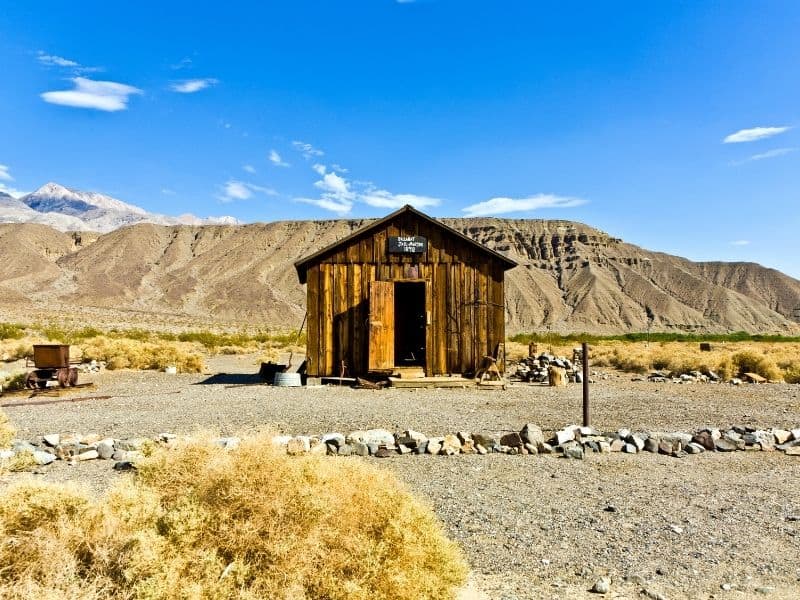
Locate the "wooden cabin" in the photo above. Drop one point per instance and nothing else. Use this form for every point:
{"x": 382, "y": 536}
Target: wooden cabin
{"x": 404, "y": 291}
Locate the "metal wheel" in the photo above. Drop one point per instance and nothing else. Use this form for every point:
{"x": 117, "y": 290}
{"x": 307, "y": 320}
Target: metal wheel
{"x": 73, "y": 376}
{"x": 31, "y": 380}
{"x": 63, "y": 377}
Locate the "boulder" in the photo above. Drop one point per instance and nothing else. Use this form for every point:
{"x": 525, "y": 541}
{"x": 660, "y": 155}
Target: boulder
{"x": 382, "y": 437}
{"x": 512, "y": 440}
{"x": 781, "y": 435}
{"x": 651, "y": 445}
{"x": 617, "y": 445}
{"x": 724, "y": 445}
{"x": 531, "y": 434}
{"x": 573, "y": 450}
{"x": 704, "y": 439}
{"x": 105, "y": 450}
{"x": 487, "y": 441}
{"x": 43, "y": 458}
{"x": 88, "y": 455}
{"x": 336, "y": 439}
{"x": 451, "y": 445}
{"x": 564, "y": 436}
{"x": 434, "y": 445}
{"x": 52, "y": 439}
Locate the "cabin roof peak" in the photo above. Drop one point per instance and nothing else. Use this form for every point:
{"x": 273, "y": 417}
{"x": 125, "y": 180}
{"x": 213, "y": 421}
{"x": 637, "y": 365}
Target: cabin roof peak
{"x": 302, "y": 264}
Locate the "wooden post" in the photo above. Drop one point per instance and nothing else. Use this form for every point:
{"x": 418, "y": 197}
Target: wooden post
{"x": 585, "y": 349}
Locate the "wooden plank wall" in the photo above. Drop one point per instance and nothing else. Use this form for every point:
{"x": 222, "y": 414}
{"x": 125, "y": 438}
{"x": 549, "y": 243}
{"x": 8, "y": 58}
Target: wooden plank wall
{"x": 465, "y": 297}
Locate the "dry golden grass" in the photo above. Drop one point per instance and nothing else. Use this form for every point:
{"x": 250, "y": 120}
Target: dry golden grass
{"x": 123, "y": 353}
{"x": 202, "y": 522}
{"x": 776, "y": 361}
{"x": 7, "y": 430}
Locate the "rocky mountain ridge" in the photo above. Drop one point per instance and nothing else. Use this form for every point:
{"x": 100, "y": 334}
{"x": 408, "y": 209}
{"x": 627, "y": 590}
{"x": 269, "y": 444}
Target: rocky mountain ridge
{"x": 73, "y": 210}
{"x": 571, "y": 277}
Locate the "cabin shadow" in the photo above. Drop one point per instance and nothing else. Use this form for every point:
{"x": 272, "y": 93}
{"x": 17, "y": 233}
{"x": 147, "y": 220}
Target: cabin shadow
{"x": 233, "y": 379}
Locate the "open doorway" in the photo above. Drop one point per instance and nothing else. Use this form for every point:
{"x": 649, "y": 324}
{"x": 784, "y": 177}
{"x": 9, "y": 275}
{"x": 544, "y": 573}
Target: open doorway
{"x": 410, "y": 318}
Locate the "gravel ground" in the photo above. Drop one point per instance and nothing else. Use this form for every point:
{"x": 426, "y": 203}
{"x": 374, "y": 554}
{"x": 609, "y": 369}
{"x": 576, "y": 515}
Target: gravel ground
{"x": 531, "y": 527}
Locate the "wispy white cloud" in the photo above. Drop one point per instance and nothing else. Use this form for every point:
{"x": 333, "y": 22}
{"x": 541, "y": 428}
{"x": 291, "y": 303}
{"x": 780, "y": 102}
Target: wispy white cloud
{"x": 183, "y": 63}
{"x": 276, "y": 159}
{"x": 168, "y": 192}
{"x": 52, "y": 60}
{"x": 501, "y": 205}
{"x": 340, "y": 207}
{"x": 772, "y": 153}
{"x": 190, "y": 86}
{"x": 339, "y": 194}
{"x": 249, "y": 168}
{"x": 384, "y": 199}
{"x": 753, "y": 134}
{"x": 234, "y": 190}
{"x": 307, "y": 150}
{"x": 764, "y": 155}
{"x": 740, "y": 243}
{"x": 108, "y": 96}
{"x": 13, "y": 192}
{"x": 335, "y": 185}
{"x": 6, "y": 176}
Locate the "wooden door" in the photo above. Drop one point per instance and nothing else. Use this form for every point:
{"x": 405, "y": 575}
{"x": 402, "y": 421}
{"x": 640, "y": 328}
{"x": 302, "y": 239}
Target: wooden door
{"x": 381, "y": 325}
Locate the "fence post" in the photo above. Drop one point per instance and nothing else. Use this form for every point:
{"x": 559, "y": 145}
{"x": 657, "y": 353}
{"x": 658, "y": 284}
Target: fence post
{"x": 585, "y": 357}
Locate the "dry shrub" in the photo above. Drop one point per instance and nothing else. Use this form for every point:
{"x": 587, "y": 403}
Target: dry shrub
{"x": 753, "y": 362}
{"x": 16, "y": 349}
{"x": 7, "y": 431}
{"x": 121, "y": 353}
{"x": 20, "y": 462}
{"x": 202, "y": 522}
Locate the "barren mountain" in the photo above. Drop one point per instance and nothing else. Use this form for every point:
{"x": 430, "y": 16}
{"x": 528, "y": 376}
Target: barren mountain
{"x": 570, "y": 277}
{"x": 73, "y": 210}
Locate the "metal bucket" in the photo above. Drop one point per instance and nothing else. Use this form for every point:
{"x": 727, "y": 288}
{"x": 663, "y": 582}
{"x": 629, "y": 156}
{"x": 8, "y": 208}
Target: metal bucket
{"x": 287, "y": 380}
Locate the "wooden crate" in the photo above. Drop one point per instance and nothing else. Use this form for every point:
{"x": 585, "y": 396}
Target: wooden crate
{"x": 51, "y": 356}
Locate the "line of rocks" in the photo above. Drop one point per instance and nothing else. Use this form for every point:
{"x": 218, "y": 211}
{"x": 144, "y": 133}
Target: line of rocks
{"x": 573, "y": 441}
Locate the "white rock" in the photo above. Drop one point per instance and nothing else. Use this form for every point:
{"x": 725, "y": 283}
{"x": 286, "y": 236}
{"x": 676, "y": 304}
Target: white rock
{"x": 88, "y": 455}
{"x": 629, "y": 448}
{"x": 43, "y": 458}
{"x": 52, "y": 439}
{"x": 6, "y": 454}
{"x": 795, "y": 434}
{"x": 229, "y": 443}
{"x": 602, "y": 585}
{"x": 564, "y": 436}
{"x": 781, "y": 435}
{"x": 434, "y": 445}
{"x": 281, "y": 440}
{"x": 382, "y": 437}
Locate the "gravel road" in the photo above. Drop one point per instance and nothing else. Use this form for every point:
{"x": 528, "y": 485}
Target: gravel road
{"x": 531, "y": 527}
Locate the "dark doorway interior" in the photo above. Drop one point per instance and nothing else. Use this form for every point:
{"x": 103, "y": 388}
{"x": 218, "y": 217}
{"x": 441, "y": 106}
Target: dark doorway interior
{"x": 409, "y": 323}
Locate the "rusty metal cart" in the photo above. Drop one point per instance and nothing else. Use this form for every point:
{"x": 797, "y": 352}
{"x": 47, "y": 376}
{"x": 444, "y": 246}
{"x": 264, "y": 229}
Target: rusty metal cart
{"x": 51, "y": 363}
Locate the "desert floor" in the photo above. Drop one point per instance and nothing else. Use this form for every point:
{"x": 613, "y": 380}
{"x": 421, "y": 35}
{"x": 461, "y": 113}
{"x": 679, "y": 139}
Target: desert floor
{"x": 530, "y": 526}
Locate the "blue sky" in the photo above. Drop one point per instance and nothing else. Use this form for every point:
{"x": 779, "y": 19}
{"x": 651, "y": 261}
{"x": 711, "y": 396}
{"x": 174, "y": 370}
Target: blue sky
{"x": 615, "y": 115}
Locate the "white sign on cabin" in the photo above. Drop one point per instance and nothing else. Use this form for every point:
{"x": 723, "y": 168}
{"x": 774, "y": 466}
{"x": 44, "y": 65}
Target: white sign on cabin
{"x": 408, "y": 244}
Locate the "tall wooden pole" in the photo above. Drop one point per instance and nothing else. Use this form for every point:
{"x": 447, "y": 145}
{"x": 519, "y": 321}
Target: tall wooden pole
{"x": 585, "y": 352}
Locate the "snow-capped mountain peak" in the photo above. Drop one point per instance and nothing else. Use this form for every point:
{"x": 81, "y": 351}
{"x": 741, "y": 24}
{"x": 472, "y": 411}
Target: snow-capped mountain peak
{"x": 53, "y": 197}
{"x": 68, "y": 210}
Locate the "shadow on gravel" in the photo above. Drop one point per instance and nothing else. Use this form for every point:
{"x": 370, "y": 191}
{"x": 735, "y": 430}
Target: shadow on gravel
{"x": 233, "y": 379}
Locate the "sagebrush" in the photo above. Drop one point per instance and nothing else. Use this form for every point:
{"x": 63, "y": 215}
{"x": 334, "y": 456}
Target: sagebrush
{"x": 203, "y": 522}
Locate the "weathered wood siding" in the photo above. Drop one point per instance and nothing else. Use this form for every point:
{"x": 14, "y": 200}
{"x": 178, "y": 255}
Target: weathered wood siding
{"x": 464, "y": 295}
